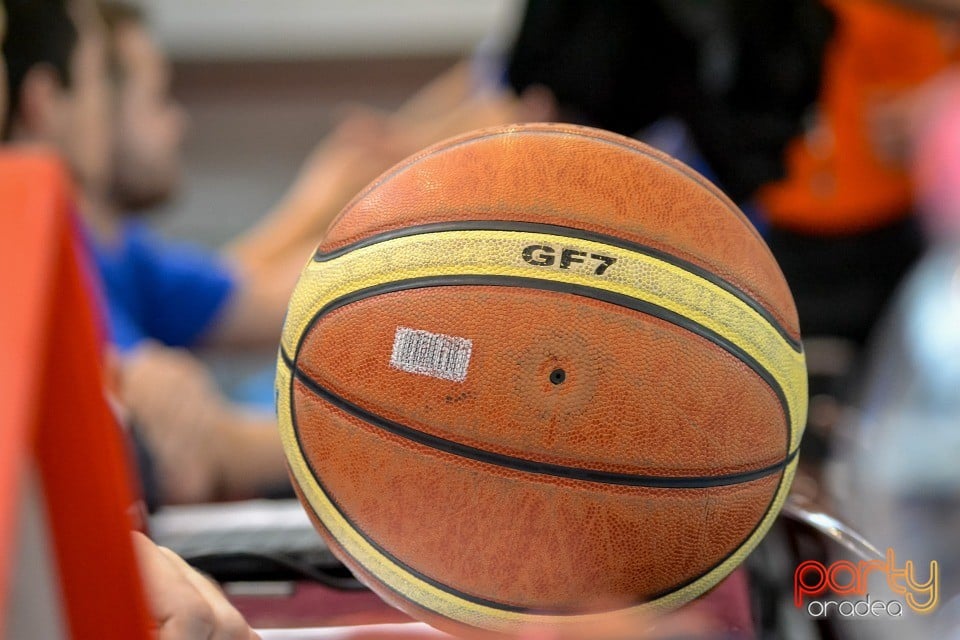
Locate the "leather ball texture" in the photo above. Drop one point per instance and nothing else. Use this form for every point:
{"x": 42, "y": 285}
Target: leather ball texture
{"x": 536, "y": 370}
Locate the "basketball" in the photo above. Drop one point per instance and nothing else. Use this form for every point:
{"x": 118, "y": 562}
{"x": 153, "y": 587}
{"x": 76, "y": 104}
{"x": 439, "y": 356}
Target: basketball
{"x": 536, "y": 369}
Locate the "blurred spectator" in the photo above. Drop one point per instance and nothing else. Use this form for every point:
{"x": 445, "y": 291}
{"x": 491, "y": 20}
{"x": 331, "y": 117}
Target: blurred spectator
{"x": 162, "y": 295}
{"x": 740, "y": 74}
{"x": 202, "y": 447}
{"x": 787, "y": 107}
{"x": 56, "y": 91}
{"x": 181, "y": 602}
{"x": 842, "y": 224}
{"x": 217, "y": 302}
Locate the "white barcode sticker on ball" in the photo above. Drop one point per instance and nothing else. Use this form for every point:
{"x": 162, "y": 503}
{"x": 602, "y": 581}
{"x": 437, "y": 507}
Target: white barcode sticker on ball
{"x": 431, "y": 354}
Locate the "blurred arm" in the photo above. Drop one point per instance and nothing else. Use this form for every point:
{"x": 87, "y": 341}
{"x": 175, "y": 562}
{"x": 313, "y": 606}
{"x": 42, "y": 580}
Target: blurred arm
{"x": 204, "y": 448}
{"x": 254, "y": 314}
{"x": 331, "y": 175}
{"x": 365, "y": 144}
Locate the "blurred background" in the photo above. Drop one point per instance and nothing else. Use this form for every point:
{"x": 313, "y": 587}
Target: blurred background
{"x": 816, "y": 117}
{"x": 263, "y": 82}
{"x": 834, "y": 124}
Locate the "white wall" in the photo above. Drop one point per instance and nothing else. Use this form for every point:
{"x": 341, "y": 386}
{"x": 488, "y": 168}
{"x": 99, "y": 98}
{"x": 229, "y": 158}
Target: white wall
{"x": 292, "y": 29}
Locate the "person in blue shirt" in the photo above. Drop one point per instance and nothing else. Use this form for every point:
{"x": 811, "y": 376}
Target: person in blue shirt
{"x": 164, "y": 297}
{"x": 60, "y": 59}
{"x": 160, "y": 298}
{"x": 174, "y": 293}
{"x": 141, "y": 274}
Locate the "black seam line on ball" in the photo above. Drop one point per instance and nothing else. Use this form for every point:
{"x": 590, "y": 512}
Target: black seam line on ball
{"x": 288, "y": 362}
{"x": 559, "y": 612}
{"x": 575, "y": 234}
{"x": 627, "y": 144}
{"x": 407, "y": 568}
{"x": 574, "y": 289}
{"x": 461, "y": 594}
{"x": 532, "y": 466}
{"x": 456, "y": 592}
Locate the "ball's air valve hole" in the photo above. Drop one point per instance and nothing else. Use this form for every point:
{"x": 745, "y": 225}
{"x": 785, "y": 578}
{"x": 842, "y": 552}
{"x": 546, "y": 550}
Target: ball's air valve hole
{"x": 557, "y": 376}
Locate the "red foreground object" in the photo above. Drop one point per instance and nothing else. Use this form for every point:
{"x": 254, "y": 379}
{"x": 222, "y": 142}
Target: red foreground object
{"x": 53, "y": 412}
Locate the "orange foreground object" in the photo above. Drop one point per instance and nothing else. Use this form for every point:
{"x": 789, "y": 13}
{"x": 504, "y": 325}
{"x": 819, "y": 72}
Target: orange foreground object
{"x": 838, "y": 181}
{"x": 537, "y": 373}
{"x": 56, "y": 422}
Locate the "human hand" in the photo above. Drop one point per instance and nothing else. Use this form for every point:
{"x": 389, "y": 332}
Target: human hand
{"x": 176, "y": 406}
{"x": 183, "y": 604}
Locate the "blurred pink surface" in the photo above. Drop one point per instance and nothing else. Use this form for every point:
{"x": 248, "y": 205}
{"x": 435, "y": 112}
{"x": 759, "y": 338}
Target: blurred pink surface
{"x": 405, "y": 631}
{"x": 937, "y": 162}
{"x": 313, "y": 605}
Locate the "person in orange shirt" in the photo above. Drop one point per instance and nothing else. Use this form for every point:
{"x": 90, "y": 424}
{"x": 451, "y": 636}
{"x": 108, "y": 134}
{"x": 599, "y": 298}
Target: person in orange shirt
{"x": 841, "y": 221}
